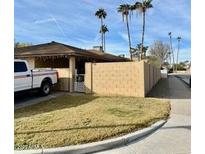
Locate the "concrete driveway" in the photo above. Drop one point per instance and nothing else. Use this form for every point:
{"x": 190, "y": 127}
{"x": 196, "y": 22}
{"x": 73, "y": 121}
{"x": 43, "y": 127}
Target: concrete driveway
{"x": 31, "y": 98}
{"x": 175, "y": 136}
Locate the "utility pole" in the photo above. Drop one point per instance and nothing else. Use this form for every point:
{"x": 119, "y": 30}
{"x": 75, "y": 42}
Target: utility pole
{"x": 170, "y": 36}
{"x": 178, "y": 38}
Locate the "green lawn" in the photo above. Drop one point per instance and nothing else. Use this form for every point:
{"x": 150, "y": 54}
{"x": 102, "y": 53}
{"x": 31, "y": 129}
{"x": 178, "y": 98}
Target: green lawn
{"x": 70, "y": 120}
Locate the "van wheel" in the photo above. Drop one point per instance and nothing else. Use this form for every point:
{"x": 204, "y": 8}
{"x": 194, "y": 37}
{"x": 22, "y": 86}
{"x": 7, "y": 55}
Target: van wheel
{"x": 45, "y": 88}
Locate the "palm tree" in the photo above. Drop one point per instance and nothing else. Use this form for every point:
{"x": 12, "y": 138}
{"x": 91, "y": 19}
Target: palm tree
{"x": 142, "y": 7}
{"x": 101, "y": 14}
{"x": 178, "y": 38}
{"x": 124, "y": 10}
{"x": 144, "y": 49}
{"x": 103, "y": 30}
{"x": 170, "y": 37}
{"x": 137, "y": 51}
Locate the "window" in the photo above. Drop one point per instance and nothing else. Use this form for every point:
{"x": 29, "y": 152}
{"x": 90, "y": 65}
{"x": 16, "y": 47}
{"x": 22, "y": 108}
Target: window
{"x": 20, "y": 67}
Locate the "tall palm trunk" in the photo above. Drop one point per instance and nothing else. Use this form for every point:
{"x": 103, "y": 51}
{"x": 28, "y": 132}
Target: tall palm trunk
{"x": 172, "y": 52}
{"x": 104, "y": 42}
{"x": 102, "y": 34}
{"x": 177, "y": 55}
{"x": 143, "y": 31}
{"x": 128, "y": 33}
{"x": 170, "y": 59}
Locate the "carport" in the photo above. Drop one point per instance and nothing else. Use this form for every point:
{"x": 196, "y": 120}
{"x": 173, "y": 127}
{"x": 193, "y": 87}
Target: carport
{"x": 68, "y": 60}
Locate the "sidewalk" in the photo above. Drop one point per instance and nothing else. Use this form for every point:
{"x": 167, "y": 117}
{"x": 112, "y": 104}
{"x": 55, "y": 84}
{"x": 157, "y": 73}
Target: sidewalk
{"x": 175, "y": 136}
{"x": 185, "y": 80}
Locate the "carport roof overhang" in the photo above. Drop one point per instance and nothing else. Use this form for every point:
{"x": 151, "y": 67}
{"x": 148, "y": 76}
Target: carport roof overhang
{"x": 55, "y": 49}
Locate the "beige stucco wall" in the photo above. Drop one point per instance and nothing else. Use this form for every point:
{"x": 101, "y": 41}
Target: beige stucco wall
{"x": 120, "y": 78}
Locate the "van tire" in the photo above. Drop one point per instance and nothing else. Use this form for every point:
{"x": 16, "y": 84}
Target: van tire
{"x": 45, "y": 88}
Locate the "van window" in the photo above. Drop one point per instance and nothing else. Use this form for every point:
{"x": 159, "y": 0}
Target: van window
{"x": 20, "y": 67}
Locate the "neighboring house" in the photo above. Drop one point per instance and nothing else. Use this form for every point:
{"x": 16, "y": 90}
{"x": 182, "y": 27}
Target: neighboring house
{"x": 68, "y": 60}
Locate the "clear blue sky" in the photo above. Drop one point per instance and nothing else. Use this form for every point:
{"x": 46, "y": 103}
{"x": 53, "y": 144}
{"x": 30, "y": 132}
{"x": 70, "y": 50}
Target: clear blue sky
{"x": 73, "y": 22}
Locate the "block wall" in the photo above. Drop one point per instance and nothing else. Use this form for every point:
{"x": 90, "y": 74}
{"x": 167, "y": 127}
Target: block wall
{"x": 120, "y": 78}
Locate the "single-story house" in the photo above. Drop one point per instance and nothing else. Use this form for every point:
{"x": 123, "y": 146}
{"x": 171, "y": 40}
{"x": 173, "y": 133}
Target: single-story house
{"x": 68, "y": 60}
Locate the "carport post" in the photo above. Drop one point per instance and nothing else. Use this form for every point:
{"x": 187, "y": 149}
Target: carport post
{"x": 72, "y": 73}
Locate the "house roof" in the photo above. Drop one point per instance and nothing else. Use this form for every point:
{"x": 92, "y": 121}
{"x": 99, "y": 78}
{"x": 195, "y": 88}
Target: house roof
{"x": 59, "y": 49}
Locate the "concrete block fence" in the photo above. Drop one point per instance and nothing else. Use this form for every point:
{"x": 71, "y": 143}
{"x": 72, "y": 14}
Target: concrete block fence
{"x": 121, "y": 78}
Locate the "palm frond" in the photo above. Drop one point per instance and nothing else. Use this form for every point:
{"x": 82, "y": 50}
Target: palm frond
{"x": 104, "y": 29}
{"x": 124, "y": 9}
{"x": 101, "y": 13}
{"x": 148, "y": 4}
{"x": 179, "y": 38}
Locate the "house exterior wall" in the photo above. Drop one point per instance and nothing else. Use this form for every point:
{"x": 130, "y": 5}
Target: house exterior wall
{"x": 120, "y": 78}
{"x": 64, "y": 79}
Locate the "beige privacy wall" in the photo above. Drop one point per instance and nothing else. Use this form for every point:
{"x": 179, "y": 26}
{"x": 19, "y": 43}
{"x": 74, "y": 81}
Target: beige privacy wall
{"x": 120, "y": 78}
{"x": 151, "y": 76}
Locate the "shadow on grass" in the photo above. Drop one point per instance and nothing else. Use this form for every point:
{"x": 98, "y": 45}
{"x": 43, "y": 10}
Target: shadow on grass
{"x": 54, "y": 104}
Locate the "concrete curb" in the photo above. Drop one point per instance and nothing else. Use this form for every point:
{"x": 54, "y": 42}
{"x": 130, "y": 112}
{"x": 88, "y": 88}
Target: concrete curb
{"x": 97, "y": 146}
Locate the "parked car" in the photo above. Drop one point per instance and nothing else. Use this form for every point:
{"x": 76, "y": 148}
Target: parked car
{"x": 28, "y": 79}
{"x": 164, "y": 73}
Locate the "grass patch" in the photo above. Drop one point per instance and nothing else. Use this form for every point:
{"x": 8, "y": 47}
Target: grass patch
{"x": 70, "y": 120}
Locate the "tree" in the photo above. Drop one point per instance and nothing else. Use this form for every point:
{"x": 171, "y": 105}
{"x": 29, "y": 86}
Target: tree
{"x": 124, "y": 10}
{"x": 178, "y": 38}
{"x": 160, "y": 51}
{"x": 181, "y": 66}
{"x": 137, "y": 50}
{"x": 101, "y": 14}
{"x": 103, "y": 30}
{"x": 142, "y": 7}
{"x": 153, "y": 60}
{"x": 21, "y": 44}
